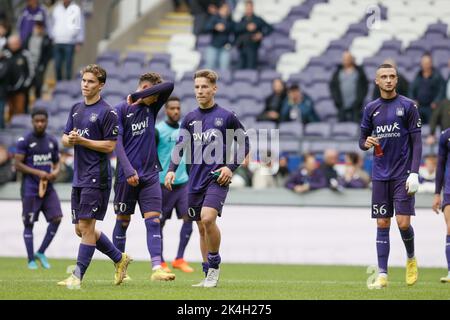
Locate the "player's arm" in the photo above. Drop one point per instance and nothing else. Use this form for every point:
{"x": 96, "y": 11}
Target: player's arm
{"x": 130, "y": 173}
{"x": 415, "y": 126}
{"x": 56, "y": 168}
{"x": 162, "y": 91}
{"x": 22, "y": 167}
{"x": 366, "y": 141}
{"x": 440, "y": 172}
{"x": 184, "y": 140}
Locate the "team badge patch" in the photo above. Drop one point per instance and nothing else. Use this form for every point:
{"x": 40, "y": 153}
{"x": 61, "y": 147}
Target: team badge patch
{"x": 400, "y": 112}
{"x": 93, "y": 117}
{"x": 218, "y": 122}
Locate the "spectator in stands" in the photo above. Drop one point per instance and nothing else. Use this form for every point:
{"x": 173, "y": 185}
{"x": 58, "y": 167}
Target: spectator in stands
{"x": 20, "y": 76}
{"x": 6, "y": 167}
{"x": 67, "y": 37}
{"x": 274, "y": 102}
{"x": 427, "y": 88}
{"x": 249, "y": 34}
{"x": 30, "y": 14}
{"x": 402, "y": 86}
{"x": 354, "y": 176}
{"x": 298, "y": 107}
{"x": 40, "y": 47}
{"x": 439, "y": 118}
{"x": 179, "y": 5}
{"x": 3, "y": 34}
{"x": 221, "y": 26}
{"x": 307, "y": 178}
{"x": 283, "y": 171}
{"x": 4, "y": 67}
{"x": 427, "y": 174}
{"x": 66, "y": 166}
{"x": 242, "y": 177}
{"x": 202, "y": 10}
{"x": 330, "y": 159}
{"x": 264, "y": 172}
{"x": 349, "y": 88}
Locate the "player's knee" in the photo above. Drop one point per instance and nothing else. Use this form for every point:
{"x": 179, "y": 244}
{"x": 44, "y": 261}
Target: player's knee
{"x": 201, "y": 229}
{"x": 383, "y": 223}
{"x": 208, "y": 222}
{"x": 78, "y": 231}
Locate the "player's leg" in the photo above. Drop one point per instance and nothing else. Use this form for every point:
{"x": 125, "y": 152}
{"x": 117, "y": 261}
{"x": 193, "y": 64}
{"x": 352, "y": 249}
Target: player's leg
{"x": 382, "y": 211}
{"x": 167, "y": 204}
{"x": 404, "y": 208}
{"x": 150, "y": 203}
{"x": 120, "y": 231}
{"x": 213, "y": 236}
{"x": 447, "y": 243}
{"x": 124, "y": 205}
{"x": 51, "y": 208}
{"x": 182, "y": 210}
{"x": 30, "y": 211}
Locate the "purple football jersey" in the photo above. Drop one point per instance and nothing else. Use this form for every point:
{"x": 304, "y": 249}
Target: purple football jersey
{"x": 205, "y": 127}
{"x": 137, "y": 127}
{"x": 40, "y": 152}
{"x": 97, "y": 122}
{"x": 443, "y": 169}
{"x": 392, "y": 121}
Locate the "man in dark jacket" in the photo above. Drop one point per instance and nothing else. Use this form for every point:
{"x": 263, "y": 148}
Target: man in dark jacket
{"x": 40, "y": 47}
{"x": 249, "y": 34}
{"x": 349, "y": 88}
{"x": 20, "y": 76}
{"x": 221, "y": 26}
{"x": 3, "y": 87}
{"x": 298, "y": 107}
{"x": 427, "y": 88}
{"x": 439, "y": 118}
{"x": 202, "y": 10}
{"x": 307, "y": 178}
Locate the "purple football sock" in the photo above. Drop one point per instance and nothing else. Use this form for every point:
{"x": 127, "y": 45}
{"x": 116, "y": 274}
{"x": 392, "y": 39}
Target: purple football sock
{"x": 105, "y": 246}
{"x": 383, "y": 247}
{"x": 214, "y": 260}
{"x": 408, "y": 240}
{"x": 162, "y": 242}
{"x": 447, "y": 252}
{"x": 120, "y": 234}
{"x": 154, "y": 240}
{"x": 85, "y": 254}
{"x": 51, "y": 231}
{"x": 185, "y": 235}
{"x": 205, "y": 267}
{"x": 28, "y": 238}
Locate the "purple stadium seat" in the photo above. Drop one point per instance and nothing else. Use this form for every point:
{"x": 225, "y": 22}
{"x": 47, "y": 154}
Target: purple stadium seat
{"x": 359, "y": 28}
{"x": 226, "y": 103}
{"x": 163, "y": 58}
{"x": 345, "y": 130}
{"x": 326, "y": 109}
{"x": 109, "y": 56}
{"x": 249, "y": 76}
{"x": 319, "y": 91}
{"x": 139, "y": 58}
{"x": 340, "y": 44}
{"x": 407, "y": 62}
{"x": 317, "y": 130}
{"x": 290, "y": 145}
{"x": 347, "y": 146}
{"x": 317, "y": 147}
{"x": 20, "y": 121}
{"x": 385, "y": 53}
{"x": 421, "y": 44}
{"x": 299, "y": 78}
{"x": 284, "y": 43}
{"x": 268, "y": 75}
{"x": 264, "y": 125}
{"x": 433, "y": 38}
{"x": 203, "y": 40}
{"x": 441, "y": 58}
{"x": 114, "y": 98}
{"x": 284, "y": 27}
{"x": 392, "y": 44}
{"x": 250, "y": 107}
{"x": 441, "y": 28}
{"x": 445, "y": 44}
{"x": 301, "y": 11}
{"x": 292, "y": 129}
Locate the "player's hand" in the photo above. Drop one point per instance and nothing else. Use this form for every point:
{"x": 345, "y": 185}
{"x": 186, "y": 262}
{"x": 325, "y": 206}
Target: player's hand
{"x": 371, "y": 142}
{"x": 52, "y": 176}
{"x": 74, "y": 137}
{"x": 133, "y": 180}
{"x": 225, "y": 177}
{"x": 169, "y": 180}
{"x": 43, "y": 175}
{"x": 437, "y": 203}
{"x": 412, "y": 183}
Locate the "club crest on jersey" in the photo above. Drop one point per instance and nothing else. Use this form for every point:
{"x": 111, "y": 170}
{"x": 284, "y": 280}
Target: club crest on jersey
{"x": 51, "y": 145}
{"x": 419, "y": 123}
{"x": 93, "y": 117}
{"x": 218, "y": 122}
{"x": 400, "y": 112}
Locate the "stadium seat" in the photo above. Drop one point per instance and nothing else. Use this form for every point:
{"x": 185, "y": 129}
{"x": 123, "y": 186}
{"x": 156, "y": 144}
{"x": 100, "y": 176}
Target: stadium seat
{"x": 21, "y": 121}
{"x": 291, "y": 129}
{"x": 250, "y": 76}
{"x": 345, "y": 130}
{"x": 317, "y": 130}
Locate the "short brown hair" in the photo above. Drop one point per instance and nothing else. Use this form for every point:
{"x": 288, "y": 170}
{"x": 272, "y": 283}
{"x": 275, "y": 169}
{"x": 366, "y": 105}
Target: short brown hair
{"x": 387, "y": 66}
{"x": 152, "y": 77}
{"x": 96, "y": 70}
{"x": 211, "y": 75}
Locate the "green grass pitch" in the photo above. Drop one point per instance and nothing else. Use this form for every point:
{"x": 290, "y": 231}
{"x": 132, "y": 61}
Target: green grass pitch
{"x": 237, "y": 282}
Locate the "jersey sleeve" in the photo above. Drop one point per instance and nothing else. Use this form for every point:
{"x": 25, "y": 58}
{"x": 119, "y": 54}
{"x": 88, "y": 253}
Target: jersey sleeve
{"x": 119, "y": 110}
{"x": 244, "y": 148}
{"x": 414, "y": 120}
{"x": 110, "y": 125}
{"x": 366, "y": 122}
{"x": 178, "y": 150}
{"x": 21, "y": 146}
{"x": 55, "y": 151}
{"x": 69, "y": 124}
